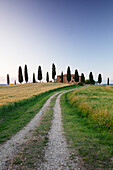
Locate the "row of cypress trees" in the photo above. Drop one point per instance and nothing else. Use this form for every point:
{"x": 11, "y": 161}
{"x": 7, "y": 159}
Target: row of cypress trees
{"x": 39, "y": 77}
{"x": 20, "y": 75}
{"x": 76, "y": 77}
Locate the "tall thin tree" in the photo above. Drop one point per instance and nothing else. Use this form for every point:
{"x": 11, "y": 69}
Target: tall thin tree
{"x": 53, "y": 71}
{"x": 34, "y": 81}
{"x": 108, "y": 81}
{"x": 82, "y": 78}
{"x": 39, "y": 73}
{"x": 99, "y": 79}
{"x": 26, "y": 73}
{"x": 62, "y": 77}
{"x": 68, "y": 74}
{"x": 8, "y": 80}
{"x": 47, "y": 77}
{"x": 91, "y": 78}
{"x": 76, "y": 76}
{"x": 20, "y": 76}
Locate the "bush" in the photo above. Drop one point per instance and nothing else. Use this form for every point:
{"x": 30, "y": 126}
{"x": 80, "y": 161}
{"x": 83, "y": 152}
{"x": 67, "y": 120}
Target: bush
{"x": 87, "y": 82}
{"x": 93, "y": 82}
{"x": 80, "y": 84}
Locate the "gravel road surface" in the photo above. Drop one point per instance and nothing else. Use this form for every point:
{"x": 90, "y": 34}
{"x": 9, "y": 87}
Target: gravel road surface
{"x": 57, "y": 154}
{"x": 10, "y": 147}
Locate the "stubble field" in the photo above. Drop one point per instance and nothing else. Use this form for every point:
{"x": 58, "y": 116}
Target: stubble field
{"x": 14, "y": 93}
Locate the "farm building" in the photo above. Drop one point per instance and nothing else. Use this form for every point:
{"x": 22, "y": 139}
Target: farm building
{"x": 65, "y": 78}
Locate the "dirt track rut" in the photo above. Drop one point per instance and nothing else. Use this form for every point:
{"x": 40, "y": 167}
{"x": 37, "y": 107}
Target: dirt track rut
{"x": 10, "y": 147}
{"x": 57, "y": 154}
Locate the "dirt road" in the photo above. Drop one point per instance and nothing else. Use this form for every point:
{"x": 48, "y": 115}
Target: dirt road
{"x": 57, "y": 154}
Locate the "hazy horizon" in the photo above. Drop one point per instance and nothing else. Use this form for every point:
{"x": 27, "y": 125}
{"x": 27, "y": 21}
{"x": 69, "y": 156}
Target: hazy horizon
{"x": 75, "y": 33}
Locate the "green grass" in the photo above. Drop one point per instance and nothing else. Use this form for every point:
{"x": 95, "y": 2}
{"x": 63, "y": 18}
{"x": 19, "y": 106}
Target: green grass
{"x": 32, "y": 154}
{"x": 95, "y": 102}
{"x": 15, "y": 116}
{"x": 95, "y": 145}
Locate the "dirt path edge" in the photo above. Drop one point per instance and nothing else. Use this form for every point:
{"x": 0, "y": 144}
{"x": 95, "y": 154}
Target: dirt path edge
{"x": 10, "y": 147}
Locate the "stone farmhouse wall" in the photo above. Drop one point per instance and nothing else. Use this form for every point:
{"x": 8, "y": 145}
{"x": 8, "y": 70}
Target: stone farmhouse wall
{"x": 65, "y": 79}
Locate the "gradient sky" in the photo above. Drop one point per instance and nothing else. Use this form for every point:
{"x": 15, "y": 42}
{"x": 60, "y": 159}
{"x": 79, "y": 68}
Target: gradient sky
{"x": 78, "y": 33}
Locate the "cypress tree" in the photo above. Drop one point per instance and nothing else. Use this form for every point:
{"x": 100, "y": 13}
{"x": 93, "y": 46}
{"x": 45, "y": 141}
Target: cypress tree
{"x": 39, "y": 73}
{"x": 108, "y": 81}
{"x": 26, "y": 74}
{"x": 91, "y": 78}
{"x": 20, "y": 76}
{"x": 47, "y": 77}
{"x": 53, "y": 71}
{"x": 68, "y": 74}
{"x": 8, "y": 81}
{"x": 82, "y": 78}
{"x": 99, "y": 78}
{"x": 62, "y": 77}
{"x": 76, "y": 76}
{"x": 34, "y": 81}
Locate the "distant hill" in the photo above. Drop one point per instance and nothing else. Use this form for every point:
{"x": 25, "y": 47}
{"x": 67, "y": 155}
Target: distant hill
{"x": 3, "y": 84}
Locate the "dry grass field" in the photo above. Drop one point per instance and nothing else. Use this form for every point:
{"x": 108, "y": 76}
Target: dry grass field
{"x": 14, "y": 93}
{"x": 97, "y": 102}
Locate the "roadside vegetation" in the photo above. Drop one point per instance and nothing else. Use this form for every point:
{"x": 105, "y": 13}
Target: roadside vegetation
{"x": 88, "y": 124}
{"x": 14, "y": 116}
{"x": 95, "y": 102}
{"x": 32, "y": 152}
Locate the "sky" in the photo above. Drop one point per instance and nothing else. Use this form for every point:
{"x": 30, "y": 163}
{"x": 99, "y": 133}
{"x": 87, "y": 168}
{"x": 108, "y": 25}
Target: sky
{"x": 75, "y": 33}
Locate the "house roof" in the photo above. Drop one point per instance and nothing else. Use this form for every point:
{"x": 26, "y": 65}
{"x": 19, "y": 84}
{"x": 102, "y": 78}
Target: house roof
{"x": 65, "y": 75}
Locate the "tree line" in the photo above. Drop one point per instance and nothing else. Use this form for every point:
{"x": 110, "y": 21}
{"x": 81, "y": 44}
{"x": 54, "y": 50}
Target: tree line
{"x": 39, "y": 76}
{"x": 76, "y": 77}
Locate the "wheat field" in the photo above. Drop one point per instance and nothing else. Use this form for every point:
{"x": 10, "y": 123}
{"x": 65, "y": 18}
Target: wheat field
{"x": 14, "y": 93}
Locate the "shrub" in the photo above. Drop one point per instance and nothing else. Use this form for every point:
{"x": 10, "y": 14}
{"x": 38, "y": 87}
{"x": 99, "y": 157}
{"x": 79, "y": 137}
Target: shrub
{"x": 80, "y": 84}
{"x": 87, "y": 82}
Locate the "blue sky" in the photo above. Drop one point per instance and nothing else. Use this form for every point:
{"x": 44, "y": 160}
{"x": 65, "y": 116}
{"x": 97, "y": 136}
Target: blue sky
{"x": 75, "y": 33}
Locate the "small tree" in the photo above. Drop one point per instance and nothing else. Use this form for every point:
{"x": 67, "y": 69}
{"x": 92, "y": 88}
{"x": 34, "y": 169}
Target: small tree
{"x": 108, "y": 81}
{"x": 62, "y": 77}
{"x": 68, "y": 74}
{"x": 20, "y": 76}
{"x": 91, "y": 78}
{"x": 26, "y": 73}
{"x": 34, "y": 81}
{"x": 39, "y": 73}
{"x": 53, "y": 71}
{"x": 87, "y": 82}
{"x": 99, "y": 78}
{"x": 76, "y": 76}
{"x": 8, "y": 81}
{"x": 47, "y": 77}
{"x": 82, "y": 78}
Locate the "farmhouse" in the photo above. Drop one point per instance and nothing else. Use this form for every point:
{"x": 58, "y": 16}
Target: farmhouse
{"x": 65, "y": 78}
